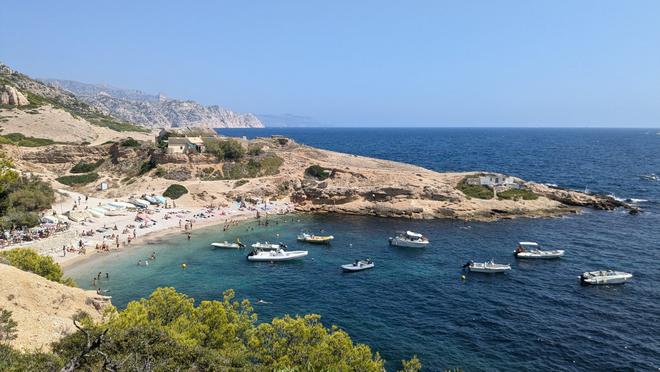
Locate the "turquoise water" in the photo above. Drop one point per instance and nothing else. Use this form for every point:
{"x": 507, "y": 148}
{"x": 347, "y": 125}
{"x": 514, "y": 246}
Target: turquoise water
{"x": 536, "y": 317}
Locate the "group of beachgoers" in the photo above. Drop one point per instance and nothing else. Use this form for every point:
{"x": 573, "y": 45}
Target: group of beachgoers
{"x": 18, "y": 235}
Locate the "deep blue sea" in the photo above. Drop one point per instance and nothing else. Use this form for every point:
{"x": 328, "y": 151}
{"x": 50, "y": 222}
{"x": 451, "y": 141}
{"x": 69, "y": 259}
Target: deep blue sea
{"x": 536, "y": 317}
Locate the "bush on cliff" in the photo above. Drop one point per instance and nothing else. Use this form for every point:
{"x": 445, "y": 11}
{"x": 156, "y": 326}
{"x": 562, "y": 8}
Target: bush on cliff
{"x": 28, "y": 259}
{"x": 78, "y": 180}
{"x": 229, "y": 149}
{"x": 21, "y": 198}
{"x": 19, "y": 139}
{"x": 514, "y": 194}
{"x": 175, "y": 191}
{"x": 83, "y": 167}
{"x": 475, "y": 191}
{"x": 318, "y": 172}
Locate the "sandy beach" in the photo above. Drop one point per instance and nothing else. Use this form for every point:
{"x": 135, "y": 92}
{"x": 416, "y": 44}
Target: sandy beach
{"x": 121, "y": 232}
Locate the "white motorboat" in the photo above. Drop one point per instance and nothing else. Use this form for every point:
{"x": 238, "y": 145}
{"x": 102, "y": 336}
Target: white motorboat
{"x": 409, "y": 239}
{"x": 227, "y": 244}
{"x": 604, "y": 277}
{"x": 275, "y": 255}
{"x": 358, "y": 265}
{"x": 486, "y": 267}
{"x": 531, "y": 250}
{"x": 268, "y": 246}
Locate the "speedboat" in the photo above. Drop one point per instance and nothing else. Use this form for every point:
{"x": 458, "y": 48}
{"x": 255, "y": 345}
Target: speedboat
{"x": 275, "y": 255}
{"x": 268, "y": 246}
{"x": 227, "y": 244}
{"x": 409, "y": 239}
{"x": 315, "y": 239}
{"x": 358, "y": 265}
{"x": 486, "y": 267}
{"x": 531, "y": 250}
{"x": 604, "y": 277}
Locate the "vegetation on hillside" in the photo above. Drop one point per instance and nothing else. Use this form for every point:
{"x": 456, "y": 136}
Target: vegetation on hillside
{"x": 130, "y": 142}
{"x": 78, "y": 180}
{"x": 65, "y": 102}
{"x": 21, "y": 198}
{"x": 475, "y": 191}
{"x": 175, "y": 191}
{"x": 318, "y": 172}
{"x": 516, "y": 194}
{"x": 83, "y": 167}
{"x": 168, "y": 331}
{"x": 229, "y": 149}
{"x": 19, "y": 139}
{"x": 267, "y": 165}
{"x": 28, "y": 259}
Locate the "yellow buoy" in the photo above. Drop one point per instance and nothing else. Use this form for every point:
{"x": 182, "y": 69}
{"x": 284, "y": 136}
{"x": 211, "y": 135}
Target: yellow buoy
{"x": 183, "y": 266}
{"x": 462, "y": 277}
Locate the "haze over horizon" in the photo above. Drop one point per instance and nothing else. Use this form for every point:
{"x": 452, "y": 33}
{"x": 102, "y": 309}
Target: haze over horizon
{"x": 423, "y": 63}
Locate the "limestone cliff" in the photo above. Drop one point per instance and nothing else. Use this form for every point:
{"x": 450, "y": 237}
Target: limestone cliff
{"x": 155, "y": 111}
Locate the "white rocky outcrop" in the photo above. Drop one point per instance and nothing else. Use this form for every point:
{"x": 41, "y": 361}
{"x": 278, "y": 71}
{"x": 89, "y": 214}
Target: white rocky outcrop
{"x": 11, "y": 96}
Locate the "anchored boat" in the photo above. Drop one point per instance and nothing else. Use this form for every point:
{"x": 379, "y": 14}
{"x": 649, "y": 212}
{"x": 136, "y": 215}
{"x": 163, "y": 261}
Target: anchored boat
{"x": 604, "y": 277}
{"x": 275, "y": 255}
{"x": 315, "y": 239}
{"x": 409, "y": 239}
{"x": 268, "y": 246}
{"x": 358, "y": 265}
{"x": 486, "y": 267}
{"x": 531, "y": 250}
{"x": 227, "y": 244}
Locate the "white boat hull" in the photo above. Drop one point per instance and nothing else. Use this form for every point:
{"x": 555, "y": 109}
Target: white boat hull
{"x": 273, "y": 256}
{"x": 480, "y": 267}
{"x": 359, "y": 267}
{"x": 604, "y": 277}
{"x": 227, "y": 245}
{"x": 542, "y": 255}
{"x": 408, "y": 243}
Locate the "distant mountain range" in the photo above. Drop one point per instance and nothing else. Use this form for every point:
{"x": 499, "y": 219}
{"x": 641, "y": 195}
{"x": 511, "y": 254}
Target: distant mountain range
{"x": 154, "y": 111}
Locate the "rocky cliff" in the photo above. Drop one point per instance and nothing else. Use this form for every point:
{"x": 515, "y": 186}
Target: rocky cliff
{"x": 11, "y": 96}
{"x": 156, "y": 111}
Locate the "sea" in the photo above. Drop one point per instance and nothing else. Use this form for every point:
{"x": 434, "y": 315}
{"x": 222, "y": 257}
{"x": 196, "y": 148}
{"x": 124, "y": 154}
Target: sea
{"x": 537, "y": 317}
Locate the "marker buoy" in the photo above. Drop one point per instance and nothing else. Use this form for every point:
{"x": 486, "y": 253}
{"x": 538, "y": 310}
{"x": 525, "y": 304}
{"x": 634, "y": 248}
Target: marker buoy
{"x": 462, "y": 277}
{"x": 183, "y": 266}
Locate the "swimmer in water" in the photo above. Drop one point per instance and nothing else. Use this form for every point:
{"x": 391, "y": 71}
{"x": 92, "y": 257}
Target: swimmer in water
{"x": 263, "y": 302}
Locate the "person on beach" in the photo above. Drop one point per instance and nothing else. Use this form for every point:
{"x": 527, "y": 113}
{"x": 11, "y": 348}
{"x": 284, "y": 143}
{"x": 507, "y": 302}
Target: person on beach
{"x": 93, "y": 282}
{"x": 139, "y": 263}
{"x": 98, "y": 276}
{"x": 134, "y": 233}
{"x": 188, "y": 236}
{"x": 64, "y": 250}
{"x": 107, "y": 276}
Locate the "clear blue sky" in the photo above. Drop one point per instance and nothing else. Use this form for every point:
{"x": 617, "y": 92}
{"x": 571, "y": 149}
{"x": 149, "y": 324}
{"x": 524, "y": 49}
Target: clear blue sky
{"x": 454, "y": 63}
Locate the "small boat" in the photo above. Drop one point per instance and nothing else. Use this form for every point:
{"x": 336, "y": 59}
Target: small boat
{"x": 275, "y": 255}
{"x": 315, "y": 239}
{"x": 161, "y": 200}
{"x": 358, "y": 265}
{"x": 486, "y": 267}
{"x": 139, "y": 203}
{"x": 531, "y": 250}
{"x": 227, "y": 244}
{"x": 650, "y": 177}
{"x": 151, "y": 199}
{"x": 604, "y": 277}
{"x": 409, "y": 239}
{"x": 268, "y": 246}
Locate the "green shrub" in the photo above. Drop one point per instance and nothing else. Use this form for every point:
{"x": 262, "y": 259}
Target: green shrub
{"x": 318, "y": 172}
{"x": 28, "y": 259}
{"x": 160, "y": 172}
{"x": 130, "y": 142}
{"x": 252, "y": 168}
{"x": 78, "y": 180}
{"x": 19, "y": 139}
{"x": 512, "y": 194}
{"x": 475, "y": 191}
{"x": 21, "y": 198}
{"x": 83, "y": 167}
{"x": 240, "y": 183}
{"x": 255, "y": 149}
{"x": 229, "y": 149}
{"x": 175, "y": 191}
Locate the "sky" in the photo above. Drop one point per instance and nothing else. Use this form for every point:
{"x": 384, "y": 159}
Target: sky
{"x": 361, "y": 63}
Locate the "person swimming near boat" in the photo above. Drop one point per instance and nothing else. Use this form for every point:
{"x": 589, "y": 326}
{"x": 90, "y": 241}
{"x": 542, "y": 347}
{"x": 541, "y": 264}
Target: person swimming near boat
{"x": 153, "y": 256}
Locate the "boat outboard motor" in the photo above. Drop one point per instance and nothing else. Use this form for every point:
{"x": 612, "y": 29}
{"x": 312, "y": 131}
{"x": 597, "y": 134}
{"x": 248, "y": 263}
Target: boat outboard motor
{"x": 241, "y": 245}
{"x": 467, "y": 264}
